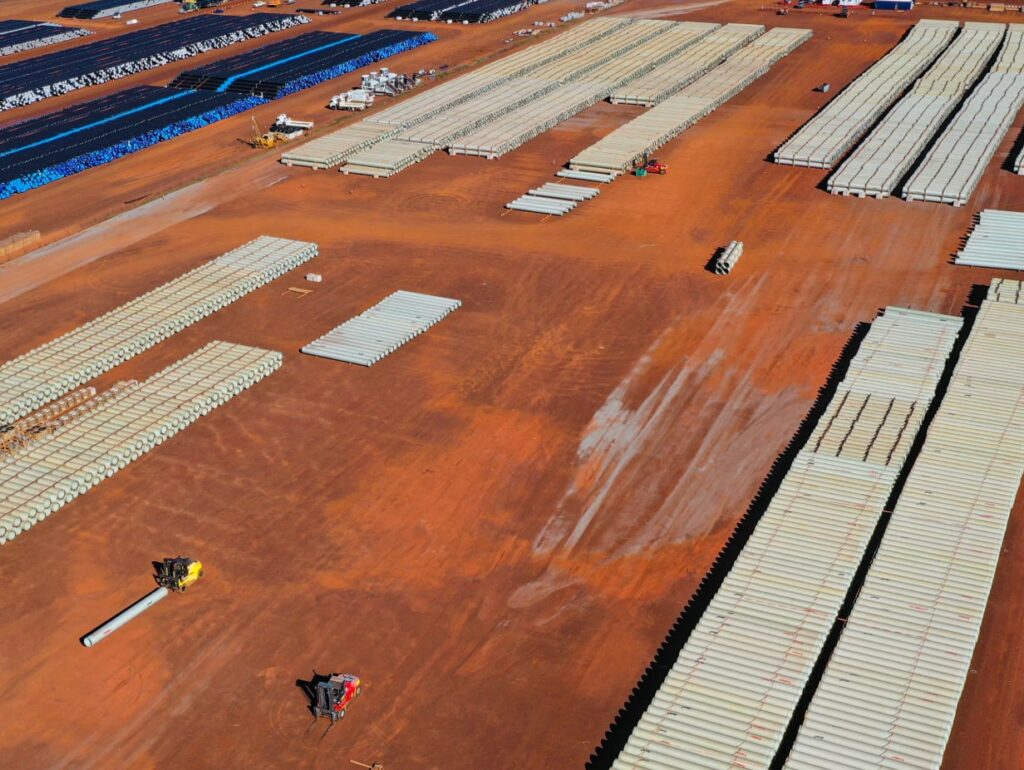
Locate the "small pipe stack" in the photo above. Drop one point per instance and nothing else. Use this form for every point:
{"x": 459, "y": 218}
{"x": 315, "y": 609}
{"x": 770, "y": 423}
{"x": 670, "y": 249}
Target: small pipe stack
{"x": 728, "y": 258}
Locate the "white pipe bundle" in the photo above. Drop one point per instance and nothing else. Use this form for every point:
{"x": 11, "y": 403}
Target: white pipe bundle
{"x": 728, "y": 258}
{"x": 565, "y": 192}
{"x": 105, "y": 74}
{"x": 43, "y": 478}
{"x": 540, "y": 205}
{"x": 382, "y": 329}
{"x": 996, "y": 241}
{"x": 51, "y": 370}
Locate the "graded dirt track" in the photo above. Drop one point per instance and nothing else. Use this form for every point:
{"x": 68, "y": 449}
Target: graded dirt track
{"x": 496, "y": 526}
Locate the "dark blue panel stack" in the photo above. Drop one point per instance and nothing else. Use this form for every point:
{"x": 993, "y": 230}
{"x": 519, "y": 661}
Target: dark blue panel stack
{"x": 57, "y": 73}
{"x": 48, "y": 148}
{"x": 464, "y": 11}
{"x": 17, "y": 36}
{"x": 97, "y": 9}
{"x": 283, "y": 68}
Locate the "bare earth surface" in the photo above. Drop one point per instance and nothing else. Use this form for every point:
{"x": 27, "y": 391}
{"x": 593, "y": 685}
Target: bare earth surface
{"x": 496, "y": 526}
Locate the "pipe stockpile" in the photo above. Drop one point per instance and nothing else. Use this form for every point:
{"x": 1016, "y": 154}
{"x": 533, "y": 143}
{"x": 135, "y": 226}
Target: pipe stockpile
{"x": 879, "y": 163}
{"x": 1006, "y": 290}
{"x": 620, "y": 150}
{"x": 954, "y": 165}
{"x": 291, "y": 65}
{"x": 728, "y": 258}
{"x": 88, "y": 134}
{"x": 386, "y": 158}
{"x": 382, "y": 329}
{"x": 536, "y": 204}
{"x": 462, "y": 11}
{"x": 98, "y": 9}
{"x": 890, "y": 692}
{"x": 42, "y": 479}
{"x": 32, "y": 80}
{"x": 330, "y": 150}
{"x": 742, "y": 671}
{"x": 17, "y": 36}
{"x": 996, "y": 241}
{"x": 568, "y": 192}
{"x": 677, "y": 73}
{"x": 826, "y": 137}
{"x": 51, "y": 370}
{"x": 585, "y": 176}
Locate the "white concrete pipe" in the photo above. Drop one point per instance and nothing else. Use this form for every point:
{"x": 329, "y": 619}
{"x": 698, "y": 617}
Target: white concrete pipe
{"x": 124, "y": 616}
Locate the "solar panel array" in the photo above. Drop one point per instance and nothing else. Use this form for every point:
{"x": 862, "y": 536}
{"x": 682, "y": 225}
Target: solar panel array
{"x": 729, "y": 698}
{"x": 621, "y": 149}
{"x": 890, "y": 692}
{"x": 55, "y": 368}
{"x": 48, "y": 473}
{"x": 881, "y": 161}
{"x": 953, "y": 167}
{"x": 53, "y": 74}
{"x": 17, "y": 35}
{"x": 825, "y": 138}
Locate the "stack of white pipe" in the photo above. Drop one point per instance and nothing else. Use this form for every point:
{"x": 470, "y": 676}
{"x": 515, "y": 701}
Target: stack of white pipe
{"x": 728, "y": 258}
{"x": 955, "y": 164}
{"x": 539, "y": 205}
{"x": 43, "y": 478}
{"x": 566, "y": 192}
{"x": 51, "y": 370}
{"x": 996, "y": 241}
{"x": 827, "y": 136}
{"x": 382, "y": 329}
{"x": 585, "y": 176}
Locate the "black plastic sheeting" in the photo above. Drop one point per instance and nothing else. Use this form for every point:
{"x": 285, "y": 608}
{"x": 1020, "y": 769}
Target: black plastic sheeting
{"x": 45, "y": 149}
{"x": 463, "y": 11}
{"x": 290, "y": 65}
{"x": 17, "y": 36}
{"x": 28, "y": 81}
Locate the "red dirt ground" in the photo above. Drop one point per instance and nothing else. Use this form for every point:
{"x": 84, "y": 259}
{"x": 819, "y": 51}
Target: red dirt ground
{"x": 496, "y": 526}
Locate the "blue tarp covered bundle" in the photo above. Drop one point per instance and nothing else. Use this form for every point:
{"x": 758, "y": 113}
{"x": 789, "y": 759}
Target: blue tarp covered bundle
{"x": 468, "y": 11}
{"x": 279, "y": 69}
{"x": 45, "y": 149}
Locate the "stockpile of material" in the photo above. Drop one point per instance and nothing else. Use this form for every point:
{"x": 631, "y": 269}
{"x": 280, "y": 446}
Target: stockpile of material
{"x": 890, "y": 692}
{"x": 824, "y": 139}
{"x": 553, "y": 198}
{"x": 55, "y": 368}
{"x": 386, "y": 158}
{"x": 291, "y": 65}
{"x": 728, "y": 258}
{"x": 382, "y": 329}
{"x": 678, "y": 72}
{"x": 954, "y": 165}
{"x": 620, "y": 150}
{"x": 444, "y": 113}
{"x": 57, "y": 73}
{"x": 48, "y": 148}
{"x": 884, "y": 157}
{"x": 742, "y": 671}
{"x": 577, "y": 87}
{"x": 17, "y": 36}
{"x": 98, "y": 9}
{"x": 47, "y": 475}
{"x": 996, "y": 241}
{"x": 464, "y": 11}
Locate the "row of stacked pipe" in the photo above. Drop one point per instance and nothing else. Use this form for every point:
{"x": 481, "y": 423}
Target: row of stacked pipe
{"x": 46, "y": 149}
{"x": 18, "y": 36}
{"x": 87, "y": 437}
{"x": 460, "y": 11}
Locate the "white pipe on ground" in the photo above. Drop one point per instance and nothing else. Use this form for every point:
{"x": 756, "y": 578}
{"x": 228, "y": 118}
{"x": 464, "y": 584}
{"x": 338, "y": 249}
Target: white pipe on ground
{"x": 124, "y": 616}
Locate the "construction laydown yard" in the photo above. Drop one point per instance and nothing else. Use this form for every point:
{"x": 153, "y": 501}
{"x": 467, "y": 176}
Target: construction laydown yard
{"x": 493, "y": 459}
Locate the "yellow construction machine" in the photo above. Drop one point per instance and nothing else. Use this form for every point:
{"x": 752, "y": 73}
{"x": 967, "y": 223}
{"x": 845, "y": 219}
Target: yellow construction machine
{"x": 261, "y": 140}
